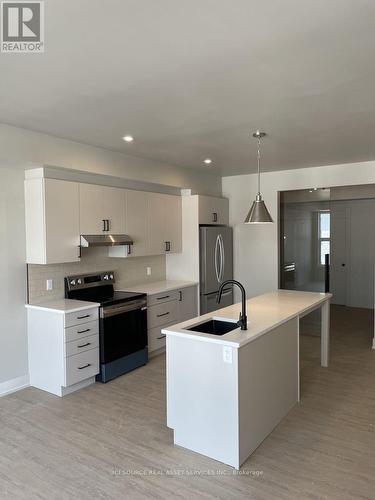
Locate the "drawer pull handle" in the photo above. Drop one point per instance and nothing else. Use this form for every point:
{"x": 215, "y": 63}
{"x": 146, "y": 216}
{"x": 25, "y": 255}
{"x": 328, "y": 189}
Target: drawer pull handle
{"x": 83, "y": 317}
{"x": 85, "y": 366}
{"x": 84, "y": 331}
{"x": 161, "y": 298}
{"x": 161, "y": 315}
{"x": 84, "y": 345}
{"x": 161, "y": 337}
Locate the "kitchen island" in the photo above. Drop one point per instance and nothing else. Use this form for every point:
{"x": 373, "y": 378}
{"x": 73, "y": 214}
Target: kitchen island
{"x": 227, "y": 392}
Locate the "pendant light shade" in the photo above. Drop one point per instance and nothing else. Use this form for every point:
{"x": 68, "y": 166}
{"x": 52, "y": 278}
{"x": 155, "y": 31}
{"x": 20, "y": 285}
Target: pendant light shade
{"x": 258, "y": 213}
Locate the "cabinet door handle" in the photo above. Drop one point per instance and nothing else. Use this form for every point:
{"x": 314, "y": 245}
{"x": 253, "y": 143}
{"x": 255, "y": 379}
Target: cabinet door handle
{"x": 167, "y": 246}
{"x": 104, "y": 225}
{"x": 180, "y": 296}
{"x": 161, "y": 337}
{"x": 161, "y": 315}
{"x": 83, "y": 317}
{"x": 84, "y": 331}
{"x": 84, "y": 345}
{"x": 108, "y": 225}
{"x": 214, "y": 217}
{"x": 129, "y": 249}
{"x": 79, "y": 251}
{"x": 85, "y": 366}
{"x": 164, "y": 297}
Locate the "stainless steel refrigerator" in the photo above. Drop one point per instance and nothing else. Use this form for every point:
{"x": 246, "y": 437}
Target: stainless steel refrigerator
{"x": 216, "y": 266}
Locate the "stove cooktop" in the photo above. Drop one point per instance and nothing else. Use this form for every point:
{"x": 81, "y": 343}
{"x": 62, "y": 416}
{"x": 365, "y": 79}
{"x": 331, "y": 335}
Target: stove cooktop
{"x": 106, "y": 296}
{"x": 97, "y": 287}
{"x": 118, "y": 297}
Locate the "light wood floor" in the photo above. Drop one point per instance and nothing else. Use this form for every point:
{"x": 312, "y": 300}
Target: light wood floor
{"x": 52, "y": 448}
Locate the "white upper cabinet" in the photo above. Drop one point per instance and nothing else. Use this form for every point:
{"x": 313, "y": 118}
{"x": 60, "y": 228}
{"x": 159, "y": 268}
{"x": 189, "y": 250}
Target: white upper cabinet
{"x": 52, "y": 221}
{"x": 154, "y": 222}
{"x": 157, "y": 224}
{"x": 114, "y": 207}
{"x": 213, "y": 210}
{"x": 165, "y": 224}
{"x": 58, "y": 212}
{"x": 102, "y": 209}
{"x": 173, "y": 223}
{"x": 137, "y": 221}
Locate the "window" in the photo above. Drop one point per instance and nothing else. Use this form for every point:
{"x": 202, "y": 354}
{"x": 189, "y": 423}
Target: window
{"x": 324, "y": 224}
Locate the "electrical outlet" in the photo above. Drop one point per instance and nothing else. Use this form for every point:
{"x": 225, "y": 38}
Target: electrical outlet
{"x": 227, "y": 355}
{"x": 49, "y": 285}
{"x": 148, "y": 271}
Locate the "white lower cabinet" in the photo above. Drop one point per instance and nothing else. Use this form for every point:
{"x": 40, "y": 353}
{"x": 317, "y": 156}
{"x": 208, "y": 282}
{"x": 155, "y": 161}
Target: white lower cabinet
{"x": 156, "y": 340}
{"x": 187, "y": 303}
{"x": 63, "y": 349}
{"x": 81, "y": 366}
{"x": 166, "y": 309}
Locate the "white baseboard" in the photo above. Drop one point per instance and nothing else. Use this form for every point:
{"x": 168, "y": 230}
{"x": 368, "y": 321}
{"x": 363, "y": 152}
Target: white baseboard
{"x": 13, "y": 385}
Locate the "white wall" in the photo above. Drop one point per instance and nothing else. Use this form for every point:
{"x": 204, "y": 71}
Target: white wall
{"x": 20, "y": 149}
{"x": 256, "y": 246}
{"x": 22, "y": 145}
{"x": 13, "y": 340}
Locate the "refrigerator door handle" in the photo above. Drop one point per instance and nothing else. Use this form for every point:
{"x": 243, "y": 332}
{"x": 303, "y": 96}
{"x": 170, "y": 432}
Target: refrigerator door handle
{"x": 222, "y": 258}
{"x": 216, "y": 256}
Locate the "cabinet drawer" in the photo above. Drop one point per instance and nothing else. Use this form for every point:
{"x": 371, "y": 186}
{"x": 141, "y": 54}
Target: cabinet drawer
{"x": 162, "y": 314}
{"x": 81, "y": 366}
{"x": 77, "y": 332}
{"x": 80, "y": 317}
{"x": 81, "y": 345}
{"x": 156, "y": 340}
{"x": 160, "y": 298}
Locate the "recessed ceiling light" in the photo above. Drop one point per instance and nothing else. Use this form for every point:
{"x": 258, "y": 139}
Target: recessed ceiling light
{"x": 207, "y": 161}
{"x": 128, "y": 138}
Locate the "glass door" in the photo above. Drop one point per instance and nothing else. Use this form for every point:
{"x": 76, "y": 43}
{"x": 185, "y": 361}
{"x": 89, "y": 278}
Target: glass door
{"x": 304, "y": 242}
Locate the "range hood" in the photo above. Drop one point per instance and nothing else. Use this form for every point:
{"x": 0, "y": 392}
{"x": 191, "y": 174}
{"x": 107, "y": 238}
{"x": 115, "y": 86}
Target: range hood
{"x": 105, "y": 240}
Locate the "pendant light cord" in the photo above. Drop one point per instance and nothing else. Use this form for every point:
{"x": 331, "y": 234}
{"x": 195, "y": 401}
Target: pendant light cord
{"x": 258, "y": 165}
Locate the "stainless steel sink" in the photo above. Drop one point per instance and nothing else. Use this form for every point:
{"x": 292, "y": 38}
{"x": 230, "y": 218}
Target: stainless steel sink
{"x": 214, "y": 327}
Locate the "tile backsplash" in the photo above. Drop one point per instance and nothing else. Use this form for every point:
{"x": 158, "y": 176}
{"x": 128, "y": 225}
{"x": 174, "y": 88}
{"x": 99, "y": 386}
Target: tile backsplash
{"x": 128, "y": 272}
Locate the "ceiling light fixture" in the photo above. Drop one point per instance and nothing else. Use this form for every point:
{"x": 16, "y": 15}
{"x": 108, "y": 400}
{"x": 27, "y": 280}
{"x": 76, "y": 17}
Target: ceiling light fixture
{"x": 258, "y": 213}
{"x": 128, "y": 138}
{"x": 207, "y": 161}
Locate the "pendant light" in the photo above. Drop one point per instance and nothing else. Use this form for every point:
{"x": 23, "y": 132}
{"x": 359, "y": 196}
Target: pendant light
{"x": 258, "y": 213}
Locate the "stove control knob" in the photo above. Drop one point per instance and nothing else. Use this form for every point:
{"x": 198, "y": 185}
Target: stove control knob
{"x": 73, "y": 282}
{"x": 106, "y": 277}
{"x": 79, "y": 281}
{"x": 111, "y": 276}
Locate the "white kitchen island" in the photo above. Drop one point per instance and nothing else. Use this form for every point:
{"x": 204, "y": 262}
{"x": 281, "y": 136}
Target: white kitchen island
{"x": 225, "y": 394}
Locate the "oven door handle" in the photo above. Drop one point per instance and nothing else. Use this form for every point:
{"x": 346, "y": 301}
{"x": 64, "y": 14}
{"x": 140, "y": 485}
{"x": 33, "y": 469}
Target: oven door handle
{"x": 107, "y": 312}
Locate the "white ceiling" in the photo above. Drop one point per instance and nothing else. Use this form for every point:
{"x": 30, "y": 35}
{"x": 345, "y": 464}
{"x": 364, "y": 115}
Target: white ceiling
{"x": 192, "y": 79}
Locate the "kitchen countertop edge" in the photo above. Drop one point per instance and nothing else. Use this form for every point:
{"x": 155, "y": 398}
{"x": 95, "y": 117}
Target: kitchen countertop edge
{"x": 62, "y": 306}
{"x": 153, "y": 288}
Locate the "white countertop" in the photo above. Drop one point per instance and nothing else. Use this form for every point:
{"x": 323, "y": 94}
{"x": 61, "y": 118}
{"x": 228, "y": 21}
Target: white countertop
{"x": 63, "y": 305}
{"x": 157, "y": 286}
{"x": 264, "y": 313}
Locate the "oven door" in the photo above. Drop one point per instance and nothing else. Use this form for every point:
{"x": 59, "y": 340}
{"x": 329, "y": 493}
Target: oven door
{"x": 123, "y": 330}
